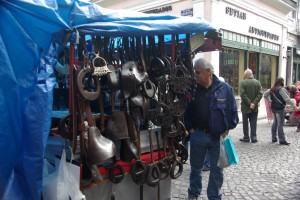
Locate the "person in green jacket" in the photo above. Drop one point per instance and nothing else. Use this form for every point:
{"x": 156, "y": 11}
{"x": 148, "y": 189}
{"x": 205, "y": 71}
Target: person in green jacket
{"x": 251, "y": 94}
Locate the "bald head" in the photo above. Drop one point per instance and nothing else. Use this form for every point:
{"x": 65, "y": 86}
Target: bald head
{"x": 248, "y": 73}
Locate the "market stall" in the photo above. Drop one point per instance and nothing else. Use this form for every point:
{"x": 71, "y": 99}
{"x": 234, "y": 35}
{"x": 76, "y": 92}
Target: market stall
{"x": 118, "y": 103}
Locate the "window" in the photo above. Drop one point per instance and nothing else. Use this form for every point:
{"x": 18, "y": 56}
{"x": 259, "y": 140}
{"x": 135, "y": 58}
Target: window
{"x": 242, "y": 39}
{"x": 265, "y": 71}
{"x": 229, "y": 67}
{"x": 250, "y": 41}
{"x": 238, "y": 38}
{"x": 294, "y": 14}
{"x": 256, "y": 42}
{"x": 234, "y": 36}
{"x": 225, "y": 36}
{"x": 230, "y": 36}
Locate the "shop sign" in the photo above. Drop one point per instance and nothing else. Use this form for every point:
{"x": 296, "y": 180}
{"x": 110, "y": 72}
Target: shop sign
{"x": 187, "y": 12}
{"x": 159, "y": 10}
{"x": 235, "y": 13}
{"x": 263, "y": 33}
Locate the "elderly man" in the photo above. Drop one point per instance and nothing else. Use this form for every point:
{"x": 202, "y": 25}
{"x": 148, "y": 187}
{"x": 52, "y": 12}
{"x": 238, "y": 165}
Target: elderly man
{"x": 211, "y": 112}
{"x": 251, "y": 94}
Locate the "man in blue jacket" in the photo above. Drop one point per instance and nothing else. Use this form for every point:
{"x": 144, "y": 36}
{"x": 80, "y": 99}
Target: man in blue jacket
{"x": 211, "y": 112}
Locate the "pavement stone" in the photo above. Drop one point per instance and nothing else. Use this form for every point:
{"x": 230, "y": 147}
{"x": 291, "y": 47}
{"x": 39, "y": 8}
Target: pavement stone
{"x": 266, "y": 171}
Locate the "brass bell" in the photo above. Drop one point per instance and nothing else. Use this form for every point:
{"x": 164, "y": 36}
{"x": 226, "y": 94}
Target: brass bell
{"x": 100, "y": 66}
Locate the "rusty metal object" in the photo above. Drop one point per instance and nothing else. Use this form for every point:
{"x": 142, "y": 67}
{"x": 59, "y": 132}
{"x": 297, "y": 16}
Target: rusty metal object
{"x": 88, "y": 85}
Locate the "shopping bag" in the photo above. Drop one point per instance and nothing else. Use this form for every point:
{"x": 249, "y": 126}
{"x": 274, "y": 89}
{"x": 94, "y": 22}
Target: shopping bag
{"x": 73, "y": 168}
{"x": 223, "y": 160}
{"x": 232, "y": 155}
{"x": 62, "y": 184}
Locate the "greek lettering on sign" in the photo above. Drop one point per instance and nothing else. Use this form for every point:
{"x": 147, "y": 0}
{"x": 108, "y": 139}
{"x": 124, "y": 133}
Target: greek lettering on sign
{"x": 263, "y": 33}
{"x": 235, "y": 13}
{"x": 160, "y": 10}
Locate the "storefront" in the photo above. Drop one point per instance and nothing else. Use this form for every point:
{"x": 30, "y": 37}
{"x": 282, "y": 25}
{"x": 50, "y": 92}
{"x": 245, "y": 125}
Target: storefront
{"x": 249, "y": 41}
{"x": 241, "y": 51}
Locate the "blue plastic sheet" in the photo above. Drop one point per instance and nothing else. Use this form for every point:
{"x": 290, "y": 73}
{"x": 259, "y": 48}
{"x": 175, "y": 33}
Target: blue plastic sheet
{"x": 30, "y": 35}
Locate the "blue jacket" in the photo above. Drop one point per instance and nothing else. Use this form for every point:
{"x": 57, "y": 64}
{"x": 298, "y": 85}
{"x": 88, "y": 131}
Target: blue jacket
{"x": 223, "y": 113}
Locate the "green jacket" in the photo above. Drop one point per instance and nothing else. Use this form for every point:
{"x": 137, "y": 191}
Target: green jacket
{"x": 250, "y": 91}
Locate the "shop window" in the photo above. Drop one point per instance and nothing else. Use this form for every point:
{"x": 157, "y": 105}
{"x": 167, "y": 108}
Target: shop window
{"x": 242, "y": 39}
{"x": 253, "y": 61}
{"x": 229, "y": 67}
{"x": 269, "y": 45}
{"x": 265, "y": 71}
{"x": 229, "y": 36}
{"x": 250, "y": 41}
{"x": 234, "y": 36}
{"x": 238, "y": 38}
{"x": 294, "y": 78}
{"x": 225, "y": 36}
{"x": 246, "y": 40}
{"x": 256, "y": 42}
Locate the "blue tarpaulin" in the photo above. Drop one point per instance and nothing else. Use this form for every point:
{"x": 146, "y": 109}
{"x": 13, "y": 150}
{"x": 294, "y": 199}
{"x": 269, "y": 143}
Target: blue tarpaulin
{"x": 29, "y": 42}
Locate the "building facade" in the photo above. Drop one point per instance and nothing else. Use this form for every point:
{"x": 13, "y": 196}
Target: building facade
{"x": 256, "y": 34}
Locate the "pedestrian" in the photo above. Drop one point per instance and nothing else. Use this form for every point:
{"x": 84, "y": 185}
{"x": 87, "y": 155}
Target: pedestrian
{"x": 251, "y": 94}
{"x": 211, "y": 112}
{"x": 289, "y": 114}
{"x": 279, "y": 97}
{"x": 292, "y": 90}
{"x": 296, "y": 115}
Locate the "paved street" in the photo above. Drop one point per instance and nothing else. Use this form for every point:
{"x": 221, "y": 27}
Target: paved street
{"x": 265, "y": 171}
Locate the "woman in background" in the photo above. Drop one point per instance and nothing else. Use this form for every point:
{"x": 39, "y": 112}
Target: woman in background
{"x": 279, "y": 97}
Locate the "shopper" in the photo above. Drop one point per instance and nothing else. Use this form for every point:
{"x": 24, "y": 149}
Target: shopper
{"x": 211, "y": 112}
{"x": 251, "y": 94}
{"x": 296, "y": 115}
{"x": 279, "y": 97}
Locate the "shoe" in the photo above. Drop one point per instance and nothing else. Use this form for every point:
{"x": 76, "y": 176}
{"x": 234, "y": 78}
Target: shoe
{"x": 205, "y": 169}
{"x": 254, "y": 141}
{"x": 245, "y": 140}
{"x": 191, "y": 198}
{"x": 284, "y": 143}
{"x": 297, "y": 130}
{"x": 274, "y": 141}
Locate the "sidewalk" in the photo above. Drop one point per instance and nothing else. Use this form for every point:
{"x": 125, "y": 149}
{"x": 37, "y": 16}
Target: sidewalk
{"x": 262, "y": 112}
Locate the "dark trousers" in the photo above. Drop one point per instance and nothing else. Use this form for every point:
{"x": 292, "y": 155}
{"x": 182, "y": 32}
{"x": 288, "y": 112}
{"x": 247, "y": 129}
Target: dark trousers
{"x": 252, "y": 118}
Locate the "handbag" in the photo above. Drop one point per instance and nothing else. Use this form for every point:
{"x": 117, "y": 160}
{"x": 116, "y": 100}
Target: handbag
{"x": 223, "y": 160}
{"x": 232, "y": 155}
{"x": 63, "y": 183}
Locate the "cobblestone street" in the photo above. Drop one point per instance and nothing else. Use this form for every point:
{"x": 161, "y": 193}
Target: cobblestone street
{"x": 266, "y": 170}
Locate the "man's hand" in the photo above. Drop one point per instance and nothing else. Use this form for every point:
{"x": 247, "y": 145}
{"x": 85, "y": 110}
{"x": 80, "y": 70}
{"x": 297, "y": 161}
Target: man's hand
{"x": 252, "y": 106}
{"x": 225, "y": 134}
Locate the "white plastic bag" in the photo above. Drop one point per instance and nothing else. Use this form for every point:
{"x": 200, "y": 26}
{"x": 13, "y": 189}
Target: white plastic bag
{"x": 223, "y": 159}
{"x": 62, "y": 184}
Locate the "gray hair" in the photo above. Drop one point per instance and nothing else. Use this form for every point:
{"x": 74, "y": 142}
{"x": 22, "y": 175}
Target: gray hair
{"x": 203, "y": 64}
{"x": 248, "y": 73}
